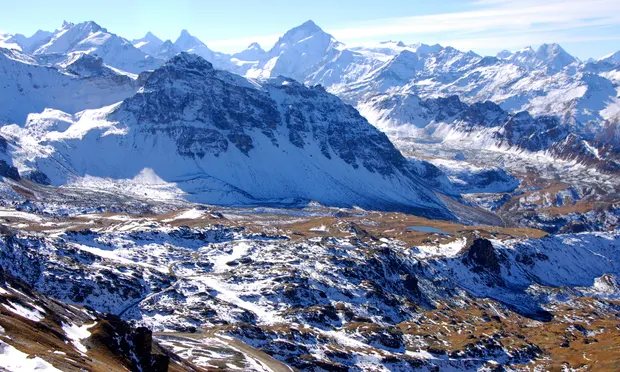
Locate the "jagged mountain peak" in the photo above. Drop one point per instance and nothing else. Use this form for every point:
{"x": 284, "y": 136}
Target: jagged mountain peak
{"x": 149, "y": 44}
{"x": 553, "y": 49}
{"x": 310, "y": 26}
{"x": 255, "y": 46}
{"x": 185, "y": 37}
{"x": 301, "y": 32}
{"x": 504, "y": 54}
{"x": 254, "y": 52}
{"x": 89, "y": 37}
{"x": 192, "y": 119}
{"x": 149, "y": 37}
{"x": 422, "y": 48}
{"x": 187, "y": 61}
{"x": 91, "y": 26}
{"x": 187, "y": 41}
{"x": 548, "y": 56}
{"x": 167, "y": 43}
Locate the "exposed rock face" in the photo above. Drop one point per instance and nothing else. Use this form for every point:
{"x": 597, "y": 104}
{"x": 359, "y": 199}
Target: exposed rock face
{"x": 38, "y": 177}
{"x": 3, "y": 144}
{"x": 9, "y": 171}
{"x": 481, "y": 256}
{"x": 135, "y": 344}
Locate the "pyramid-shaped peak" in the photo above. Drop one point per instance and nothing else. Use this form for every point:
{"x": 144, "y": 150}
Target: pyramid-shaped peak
{"x": 255, "y": 46}
{"x": 304, "y": 30}
{"x": 150, "y": 36}
{"x": 504, "y": 54}
{"x": 551, "y": 49}
{"x": 187, "y": 41}
{"x": 93, "y": 26}
{"x": 309, "y": 25}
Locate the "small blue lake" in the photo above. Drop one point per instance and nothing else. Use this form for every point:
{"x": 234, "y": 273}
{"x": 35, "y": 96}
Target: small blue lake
{"x": 428, "y": 229}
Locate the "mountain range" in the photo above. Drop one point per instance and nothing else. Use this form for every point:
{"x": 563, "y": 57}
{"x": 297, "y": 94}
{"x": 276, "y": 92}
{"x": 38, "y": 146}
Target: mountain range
{"x": 544, "y": 82}
{"x": 81, "y": 91}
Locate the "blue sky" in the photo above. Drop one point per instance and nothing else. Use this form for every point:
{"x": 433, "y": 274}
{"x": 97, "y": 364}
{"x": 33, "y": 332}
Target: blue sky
{"x": 585, "y": 28}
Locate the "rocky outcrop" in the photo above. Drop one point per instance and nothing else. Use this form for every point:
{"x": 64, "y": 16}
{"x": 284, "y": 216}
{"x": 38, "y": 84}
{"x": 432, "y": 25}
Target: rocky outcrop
{"x": 481, "y": 256}
{"x": 8, "y": 171}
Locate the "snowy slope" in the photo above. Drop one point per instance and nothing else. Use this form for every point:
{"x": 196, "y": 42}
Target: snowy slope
{"x": 253, "y": 52}
{"x": 31, "y": 88}
{"x": 191, "y": 44}
{"x": 8, "y": 41}
{"x": 149, "y": 44}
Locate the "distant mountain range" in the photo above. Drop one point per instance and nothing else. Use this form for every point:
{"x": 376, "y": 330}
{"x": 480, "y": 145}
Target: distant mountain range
{"x": 537, "y": 100}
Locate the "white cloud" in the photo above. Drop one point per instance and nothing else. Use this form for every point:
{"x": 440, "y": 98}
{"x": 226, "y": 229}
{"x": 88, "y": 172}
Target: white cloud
{"x": 494, "y": 16}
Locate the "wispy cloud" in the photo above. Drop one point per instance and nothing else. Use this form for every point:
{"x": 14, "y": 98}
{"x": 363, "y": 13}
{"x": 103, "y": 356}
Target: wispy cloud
{"x": 488, "y": 24}
{"x": 494, "y": 16}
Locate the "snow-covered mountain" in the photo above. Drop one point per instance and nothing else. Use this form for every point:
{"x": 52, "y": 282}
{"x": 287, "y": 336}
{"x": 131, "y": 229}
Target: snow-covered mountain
{"x": 167, "y": 50}
{"x": 548, "y": 56}
{"x": 84, "y": 82}
{"x": 8, "y": 41}
{"x": 612, "y": 58}
{"x": 297, "y": 53}
{"x": 191, "y": 44}
{"x": 450, "y": 119}
{"x": 254, "y": 52}
{"x": 90, "y": 38}
{"x": 223, "y": 139}
{"x": 149, "y": 44}
{"x": 543, "y": 82}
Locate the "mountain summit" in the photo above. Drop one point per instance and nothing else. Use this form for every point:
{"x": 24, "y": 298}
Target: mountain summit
{"x": 191, "y": 44}
{"x": 149, "y": 44}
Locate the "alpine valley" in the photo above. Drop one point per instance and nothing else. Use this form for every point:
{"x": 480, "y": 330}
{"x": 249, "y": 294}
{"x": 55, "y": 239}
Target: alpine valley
{"x": 310, "y": 207}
